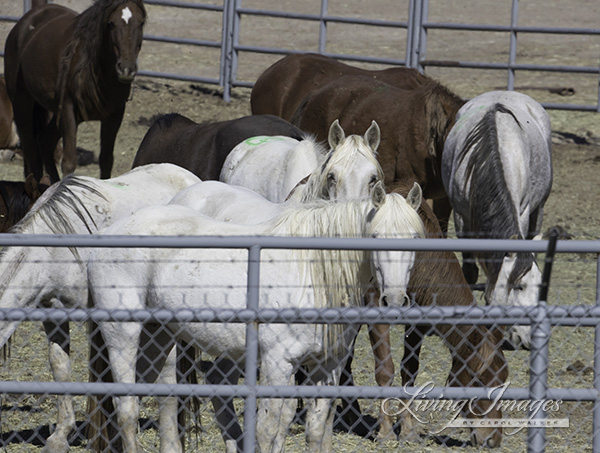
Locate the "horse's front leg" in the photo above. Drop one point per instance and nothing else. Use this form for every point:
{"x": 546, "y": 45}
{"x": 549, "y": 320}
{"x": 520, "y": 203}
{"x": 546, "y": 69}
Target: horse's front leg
{"x": 68, "y": 126}
{"x": 60, "y": 364}
{"x": 319, "y": 419}
{"x": 379, "y": 334}
{"x": 108, "y": 134}
{"x": 413, "y": 340}
{"x": 275, "y": 415}
{"x": 225, "y": 371}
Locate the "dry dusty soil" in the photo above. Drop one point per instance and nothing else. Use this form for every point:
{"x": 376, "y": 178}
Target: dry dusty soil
{"x": 574, "y": 203}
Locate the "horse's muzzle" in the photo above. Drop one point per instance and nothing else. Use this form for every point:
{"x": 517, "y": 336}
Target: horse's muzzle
{"x": 126, "y": 73}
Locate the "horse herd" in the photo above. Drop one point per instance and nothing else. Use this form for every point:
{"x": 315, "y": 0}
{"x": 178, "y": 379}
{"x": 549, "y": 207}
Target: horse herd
{"x": 329, "y": 150}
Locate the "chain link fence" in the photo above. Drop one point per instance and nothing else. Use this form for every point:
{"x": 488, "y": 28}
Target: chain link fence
{"x": 551, "y": 386}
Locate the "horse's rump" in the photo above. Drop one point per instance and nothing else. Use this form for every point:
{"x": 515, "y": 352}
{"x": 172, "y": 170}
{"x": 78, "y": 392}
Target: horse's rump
{"x": 203, "y": 148}
{"x": 280, "y": 88}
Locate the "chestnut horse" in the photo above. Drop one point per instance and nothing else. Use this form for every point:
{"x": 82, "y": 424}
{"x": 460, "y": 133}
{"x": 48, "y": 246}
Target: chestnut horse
{"x": 8, "y": 132}
{"x": 62, "y": 69}
{"x": 414, "y": 122}
{"x": 284, "y": 85}
{"x": 477, "y": 356}
{"x": 203, "y": 148}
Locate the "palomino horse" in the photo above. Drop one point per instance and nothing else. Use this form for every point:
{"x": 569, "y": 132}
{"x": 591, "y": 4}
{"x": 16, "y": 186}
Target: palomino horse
{"x": 282, "y": 87}
{"x": 281, "y": 167}
{"x": 202, "y": 148}
{"x": 75, "y": 205}
{"x": 414, "y": 122}
{"x": 497, "y": 170}
{"x": 9, "y": 138}
{"x": 89, "y": 63}
{"x": 16, "y": 198}
{"x": 288, "y": 278}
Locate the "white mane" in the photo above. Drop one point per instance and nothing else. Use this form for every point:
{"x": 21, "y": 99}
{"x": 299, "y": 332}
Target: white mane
{"x": 335, "y": 274}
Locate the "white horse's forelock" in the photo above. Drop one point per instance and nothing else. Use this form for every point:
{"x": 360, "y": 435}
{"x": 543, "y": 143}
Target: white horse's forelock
{"x": 345, "y": 156}
{"x": 397, "y": 215}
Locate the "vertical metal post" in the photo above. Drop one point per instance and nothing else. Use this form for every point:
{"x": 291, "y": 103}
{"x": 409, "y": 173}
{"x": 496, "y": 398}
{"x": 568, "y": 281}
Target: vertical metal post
{"x": 596, "y": 419}
{"x": 421, "y": 14}
{"x": 227, "y": 48}
{"x": 512, "y": 52}
{"x": 540, "y": 336}
{"x": 235, "y": 42}
{"x": 323, "y": 27}
{"x": 410, "y": 45}
{"x": 251, "y": 350}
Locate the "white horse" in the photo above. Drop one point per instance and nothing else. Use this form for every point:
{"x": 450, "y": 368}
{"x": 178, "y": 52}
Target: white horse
{"x": 56, "y": 276}
{"x": 142, "y": 278}
{"x": 497, "y": 171}
{"x": 280, "y": 167}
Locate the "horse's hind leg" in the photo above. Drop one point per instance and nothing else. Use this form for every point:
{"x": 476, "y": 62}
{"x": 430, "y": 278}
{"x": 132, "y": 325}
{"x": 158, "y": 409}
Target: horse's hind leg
{"x": 319, "y": 424}
{"x": 122, "y": 341}
{"x": 60, "y": 363}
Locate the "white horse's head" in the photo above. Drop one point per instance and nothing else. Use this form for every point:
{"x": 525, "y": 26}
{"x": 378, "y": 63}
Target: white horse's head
{"x": 518, "y": 284}
{"x": 351, "y": 168}
{"x": 396, "y": 217}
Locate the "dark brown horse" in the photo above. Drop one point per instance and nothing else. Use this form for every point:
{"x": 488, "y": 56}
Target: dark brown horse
{"x": 203, "y": 148}
{"x": 16, "y": 198}
{"x": 8, "y": 132}
{"x": 414, "y": 120}
{"x": 477, "y": 356}
{"x": 284, "y": 85}
{"x": 62, "y": 69}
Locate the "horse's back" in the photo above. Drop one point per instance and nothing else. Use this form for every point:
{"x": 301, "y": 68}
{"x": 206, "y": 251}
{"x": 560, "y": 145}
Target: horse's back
{"x": 33, "y": 49}
{"x": 281, "y": 88}
{"x": 272, "y": 166}
{"x": 203, "y": 148}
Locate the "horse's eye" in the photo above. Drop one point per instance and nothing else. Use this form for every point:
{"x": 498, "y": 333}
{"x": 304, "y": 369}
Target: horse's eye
{"x": 331, "y": 177}
{"x": 373, "y": 180}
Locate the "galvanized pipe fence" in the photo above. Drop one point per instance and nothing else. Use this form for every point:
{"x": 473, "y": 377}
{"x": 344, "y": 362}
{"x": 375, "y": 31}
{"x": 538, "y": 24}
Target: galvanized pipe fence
{"x": 416, "y": 27}
{"x": 541, "y": 317}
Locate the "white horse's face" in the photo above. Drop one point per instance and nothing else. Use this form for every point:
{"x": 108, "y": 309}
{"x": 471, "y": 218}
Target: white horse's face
{"x": 523, "y": 294}
{"x": 392, "y": 272}
{"x": 356, "y": 182}
{"x": 397, "y": 218}
{"x": 352, "y": 169}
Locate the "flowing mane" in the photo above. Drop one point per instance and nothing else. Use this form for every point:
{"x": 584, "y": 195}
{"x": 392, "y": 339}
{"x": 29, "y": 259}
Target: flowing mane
{"x": 334, "y": 274}
{"x": 51, "y": 211}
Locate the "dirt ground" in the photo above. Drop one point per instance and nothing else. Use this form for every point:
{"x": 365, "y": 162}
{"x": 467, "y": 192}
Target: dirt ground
{"x": 574, "y": 203}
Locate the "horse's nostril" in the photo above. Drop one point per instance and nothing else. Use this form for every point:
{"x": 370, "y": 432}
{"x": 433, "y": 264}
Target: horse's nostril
{"x": 384, "y": 301}
{"x": 405, "y": 300}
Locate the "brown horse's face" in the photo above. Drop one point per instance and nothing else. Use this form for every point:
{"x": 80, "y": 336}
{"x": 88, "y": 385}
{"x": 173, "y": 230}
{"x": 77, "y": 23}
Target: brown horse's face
{"x": 125, "y": 26}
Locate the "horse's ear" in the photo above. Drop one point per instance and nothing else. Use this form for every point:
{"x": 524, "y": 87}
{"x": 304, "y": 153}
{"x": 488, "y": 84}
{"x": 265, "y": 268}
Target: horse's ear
{"x": 415, "y": 196}
{"x": 373, "y": 136}
{"x": 378, "y": 194}
{"x": 336, "y": 134}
